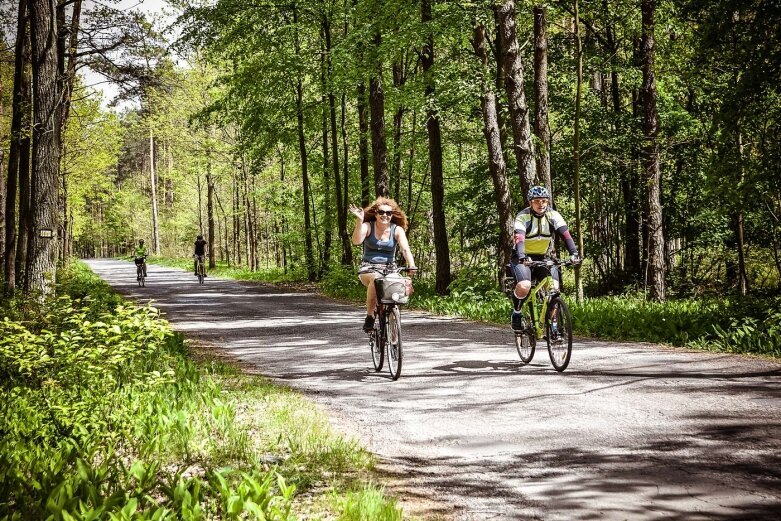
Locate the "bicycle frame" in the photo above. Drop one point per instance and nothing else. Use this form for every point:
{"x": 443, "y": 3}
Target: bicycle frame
{"x": 541, "y": 307}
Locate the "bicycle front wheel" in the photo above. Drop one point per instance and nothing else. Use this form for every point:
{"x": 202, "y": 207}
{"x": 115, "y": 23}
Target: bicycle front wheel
{"x": 393, "y": 342}
{"x": 377, "y": 346}
{"x": 558, "y": 328}
{"x": 526, "y": 338}
{"x": 200, "y": 273}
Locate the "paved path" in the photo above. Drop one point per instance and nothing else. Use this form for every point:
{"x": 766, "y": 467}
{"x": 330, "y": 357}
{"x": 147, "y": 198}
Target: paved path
{"x": 629, "y": 431}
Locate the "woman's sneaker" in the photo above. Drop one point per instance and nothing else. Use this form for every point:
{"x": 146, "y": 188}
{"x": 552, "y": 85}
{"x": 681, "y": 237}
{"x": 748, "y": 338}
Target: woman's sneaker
{"x": 368, "y": 323}
{"x": 516, "y": 321}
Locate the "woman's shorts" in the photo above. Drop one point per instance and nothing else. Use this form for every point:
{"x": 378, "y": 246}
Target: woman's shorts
{"x": 368, "y": 267}
{"x": 523, "y": 272}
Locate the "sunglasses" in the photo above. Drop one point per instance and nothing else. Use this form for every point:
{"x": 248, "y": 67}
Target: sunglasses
{"x": 384, "y": 212}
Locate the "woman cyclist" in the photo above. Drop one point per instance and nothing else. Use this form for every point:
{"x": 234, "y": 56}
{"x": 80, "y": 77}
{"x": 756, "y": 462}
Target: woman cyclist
{"x": 381, "y": 229}
{"x": 534, "y": 229}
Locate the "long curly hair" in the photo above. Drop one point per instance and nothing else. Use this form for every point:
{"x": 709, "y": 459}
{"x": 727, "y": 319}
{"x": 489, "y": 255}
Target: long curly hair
{"x": 399, "y": 218}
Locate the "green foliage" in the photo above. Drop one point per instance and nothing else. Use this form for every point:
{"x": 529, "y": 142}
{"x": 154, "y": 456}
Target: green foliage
{"x": 104, "y": 416}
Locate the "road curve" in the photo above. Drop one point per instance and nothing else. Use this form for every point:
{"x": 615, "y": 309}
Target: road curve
{"x": 629, "y": 431}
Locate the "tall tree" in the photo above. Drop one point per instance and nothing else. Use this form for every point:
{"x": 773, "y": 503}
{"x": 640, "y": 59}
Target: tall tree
{"x": 19, "y": 152}
{"x": 42, "y": 243}
{"x": 523, "y": 146}
{"x": 377, "y": 123}
{"x": 441, "y": 247}
{"x": 576, "y": 145}
{"x": 496, "y": 163}
{"x": 541, "y": 123}
{"x": 656, "y": 264}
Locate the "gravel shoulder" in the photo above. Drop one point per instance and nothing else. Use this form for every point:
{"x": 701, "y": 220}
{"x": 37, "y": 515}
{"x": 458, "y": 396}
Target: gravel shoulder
{"x": 629, "y": 431}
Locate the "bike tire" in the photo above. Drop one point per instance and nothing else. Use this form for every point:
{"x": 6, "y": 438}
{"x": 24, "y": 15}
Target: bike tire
{"x": 393, "y": 342}
{"x": 200, "y": 273}
{"x": 526, "y": 339}
{"x": 560, "y": 347}
{"x": 377, "y": 347}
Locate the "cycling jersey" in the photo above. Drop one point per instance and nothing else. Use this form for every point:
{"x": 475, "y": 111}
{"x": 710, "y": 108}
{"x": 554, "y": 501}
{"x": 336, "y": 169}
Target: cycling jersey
{"x": 376, "y": 251}
{"x": 140, "y": 251}
{"x": 534, "y": 233}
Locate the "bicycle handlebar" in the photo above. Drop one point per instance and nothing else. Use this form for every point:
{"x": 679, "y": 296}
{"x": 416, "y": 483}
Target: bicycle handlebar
{"x": 548, "y": 263}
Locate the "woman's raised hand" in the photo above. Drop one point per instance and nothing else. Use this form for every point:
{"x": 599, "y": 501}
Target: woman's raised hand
{"x": 357, "y": 212}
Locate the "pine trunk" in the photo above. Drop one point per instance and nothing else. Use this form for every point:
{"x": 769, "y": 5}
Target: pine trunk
{"x": 541, "y": 123}
{"x": 434, "y": 130}
{"x": 377, "y": 123}
{"x": 496, "y": 163}
{"x": 656, "y": 268}
{"x": 153, "y": 185}
{"x": 523, "y": 146}
{"x": 20, "y": 108}
{"x": 42, "y": 244}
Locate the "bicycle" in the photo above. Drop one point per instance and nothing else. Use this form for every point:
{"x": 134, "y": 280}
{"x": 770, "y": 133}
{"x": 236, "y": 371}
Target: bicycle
{"x": 544, "y": 314}
{"x": 140, "y": 275}
{"x": 392, "y": 291}
{"x": 200, "y": 268}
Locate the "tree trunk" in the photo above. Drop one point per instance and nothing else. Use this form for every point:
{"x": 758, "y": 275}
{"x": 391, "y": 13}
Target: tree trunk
{"x": 20, "y": 109}
{"x": 310, "y": 261}
{"x": 42, "y": 249}
{"x": 327, "y": 204}
{"x": 153, "y": 185}
{"x": 3, "y": 179}
{"x": 363, "y": 144}
{"x": 347, "y": 251}
{"x": 656, "y": 268}
{"x": 541, "y": 124}
{"x": 379, "y": 144}
{"x": 441, "y": 246}
{"x": 516, "y": 97}
{"x": 496, "y": 163}
{"x": 210, "y": 209}
{"x": 738, "y": 221}
{"x": 399, "y": 79}
{"x": 341, "y": 207}
{"x": 576, "y": 148}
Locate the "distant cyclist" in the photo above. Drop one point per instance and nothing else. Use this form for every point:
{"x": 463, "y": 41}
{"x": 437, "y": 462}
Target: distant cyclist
{"x": 380, "y": 228}
{"x": 140, "y": 253}
{"x": 534, "y": 229}
{"x": 199, "y": 253}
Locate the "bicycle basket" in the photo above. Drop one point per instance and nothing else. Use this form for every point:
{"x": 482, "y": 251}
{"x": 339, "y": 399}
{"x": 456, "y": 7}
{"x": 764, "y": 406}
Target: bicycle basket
{"x": 139, "y": 260}
{"x": 392, "y": 289}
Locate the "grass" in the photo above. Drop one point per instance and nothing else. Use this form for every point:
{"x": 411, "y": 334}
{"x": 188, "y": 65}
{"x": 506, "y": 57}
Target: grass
{"x": 108, "y": 414}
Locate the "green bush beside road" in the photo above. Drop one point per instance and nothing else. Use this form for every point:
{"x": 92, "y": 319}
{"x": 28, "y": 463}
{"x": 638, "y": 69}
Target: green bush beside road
{"x": 105, "y": 415}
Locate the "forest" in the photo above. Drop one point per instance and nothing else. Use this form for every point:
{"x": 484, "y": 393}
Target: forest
{"x": 655, "y": 124}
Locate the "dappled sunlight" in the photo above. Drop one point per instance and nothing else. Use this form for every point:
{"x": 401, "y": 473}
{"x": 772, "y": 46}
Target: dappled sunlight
{"x": 641, "y": 430}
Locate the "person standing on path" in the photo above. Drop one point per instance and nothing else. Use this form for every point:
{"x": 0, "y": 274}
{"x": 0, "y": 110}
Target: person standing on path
{"x": 381, "y": 229}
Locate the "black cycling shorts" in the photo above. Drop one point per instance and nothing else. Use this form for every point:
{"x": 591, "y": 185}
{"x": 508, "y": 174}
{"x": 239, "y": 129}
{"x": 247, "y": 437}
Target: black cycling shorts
{"x": 523, "y": 272}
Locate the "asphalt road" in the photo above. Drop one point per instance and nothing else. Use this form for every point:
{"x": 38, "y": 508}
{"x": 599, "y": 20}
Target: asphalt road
{"x": 629, "y": 431}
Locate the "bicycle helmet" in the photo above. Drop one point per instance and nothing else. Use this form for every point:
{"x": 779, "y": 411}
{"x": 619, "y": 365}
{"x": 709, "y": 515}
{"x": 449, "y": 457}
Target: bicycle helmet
{"x": 537, "y": 192}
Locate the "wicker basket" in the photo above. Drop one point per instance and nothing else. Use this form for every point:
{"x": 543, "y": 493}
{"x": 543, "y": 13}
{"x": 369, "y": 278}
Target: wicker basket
{"x": 392, "y": 289}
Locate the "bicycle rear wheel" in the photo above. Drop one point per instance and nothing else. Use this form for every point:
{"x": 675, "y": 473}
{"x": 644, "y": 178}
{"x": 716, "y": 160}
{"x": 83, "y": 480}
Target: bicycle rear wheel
{"x": 558, "y": 327}
{"x": 526, "y": 338}
{"x": 393, "y": 340}
{"x": 200, "y": 272}
{"x": 377, "y": 346}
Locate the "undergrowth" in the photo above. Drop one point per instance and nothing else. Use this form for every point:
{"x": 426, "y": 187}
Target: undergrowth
{"x": 105, "y": 416}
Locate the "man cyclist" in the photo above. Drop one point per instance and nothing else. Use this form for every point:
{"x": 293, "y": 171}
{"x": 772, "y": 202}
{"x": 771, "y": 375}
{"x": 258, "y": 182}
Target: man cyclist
{"x": 140, "y": 253}
{"x": 199, "y": 253}
{"x": 533, "y": 238}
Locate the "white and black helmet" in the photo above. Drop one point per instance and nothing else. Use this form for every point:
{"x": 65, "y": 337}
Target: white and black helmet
{"x": 537, "y": 192}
